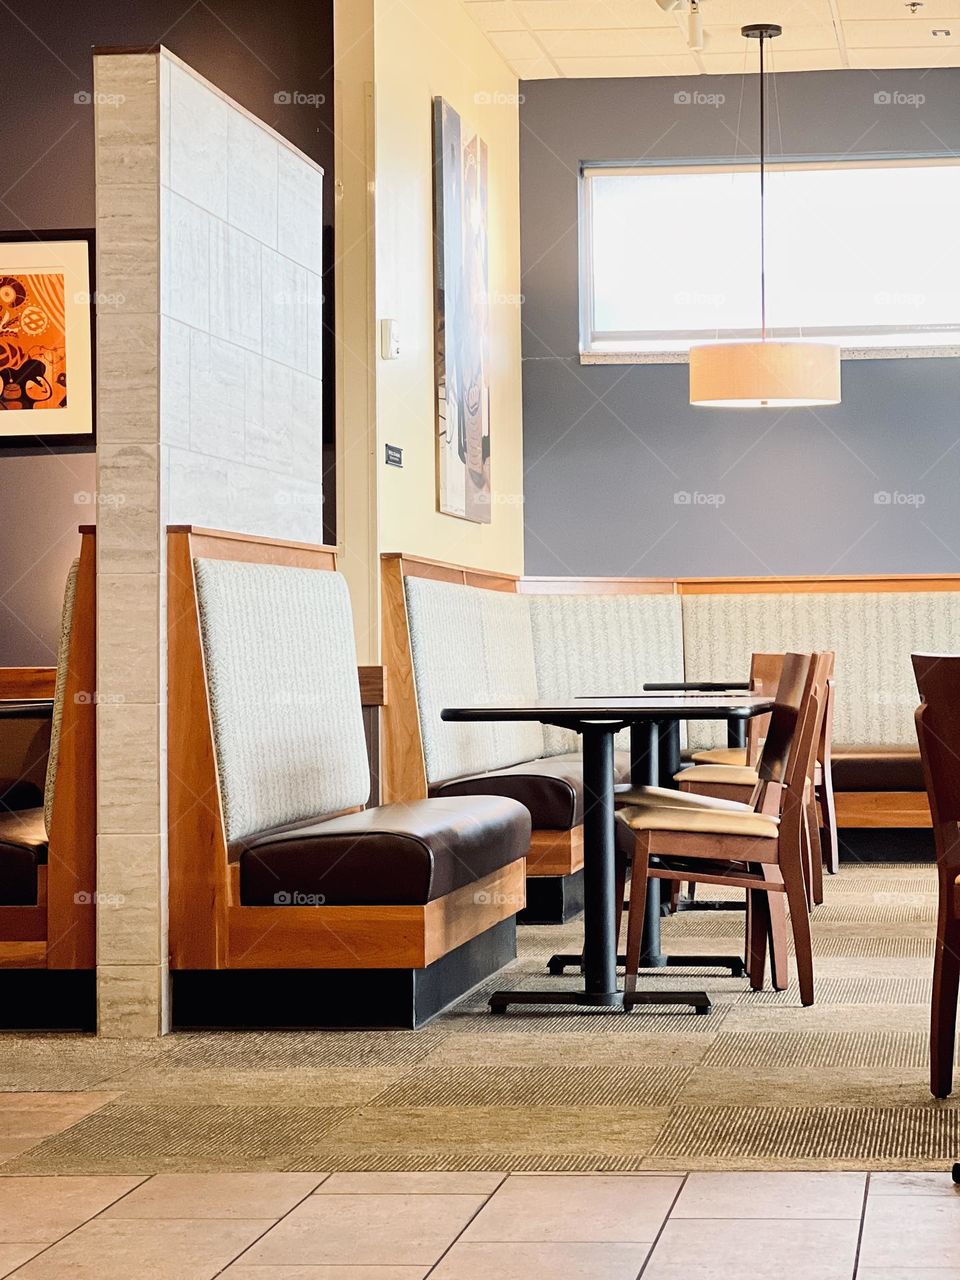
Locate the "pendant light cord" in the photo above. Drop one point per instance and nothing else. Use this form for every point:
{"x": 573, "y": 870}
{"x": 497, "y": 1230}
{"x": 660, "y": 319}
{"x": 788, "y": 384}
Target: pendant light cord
{"x": 763, "y": 245}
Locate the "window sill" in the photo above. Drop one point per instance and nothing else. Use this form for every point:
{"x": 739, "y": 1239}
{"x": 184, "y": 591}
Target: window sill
{"x": 846, "y": 353}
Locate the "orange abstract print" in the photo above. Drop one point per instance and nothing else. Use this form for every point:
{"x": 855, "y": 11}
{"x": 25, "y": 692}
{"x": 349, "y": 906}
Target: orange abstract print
{"x": 33, "y": 347}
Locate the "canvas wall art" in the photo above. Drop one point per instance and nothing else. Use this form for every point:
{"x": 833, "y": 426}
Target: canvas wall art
{"x": 462, "y": 318}
{"x": 46, "y": 340}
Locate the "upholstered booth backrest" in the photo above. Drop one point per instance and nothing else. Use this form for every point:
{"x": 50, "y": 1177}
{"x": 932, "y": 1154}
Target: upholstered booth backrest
{"x": 470, "y": 645}
{"x": 281, "y": 669}
{"x": 59, "y": 692}
{"x": 872, "y": 633}
{"x": 600, "y": 645}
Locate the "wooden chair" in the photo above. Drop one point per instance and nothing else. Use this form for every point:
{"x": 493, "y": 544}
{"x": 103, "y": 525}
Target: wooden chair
{"x": 938, "y": 732}
{"x": 759, "y": 848}
{"x": 48, "y": 854}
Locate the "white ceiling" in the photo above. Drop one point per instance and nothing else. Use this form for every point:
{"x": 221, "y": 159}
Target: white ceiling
{"x": 547, "y": 39}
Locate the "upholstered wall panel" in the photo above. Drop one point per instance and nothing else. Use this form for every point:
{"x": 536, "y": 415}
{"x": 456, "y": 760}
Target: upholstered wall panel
{"x": 587, "y": 644}
{"x": 284, "y": 696}
{"x": 872, "y": 633}
{"x": 471, "y": 645}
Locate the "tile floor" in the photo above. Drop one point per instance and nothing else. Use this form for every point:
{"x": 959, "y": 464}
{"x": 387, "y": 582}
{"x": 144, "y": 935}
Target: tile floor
{"x": 478, "y": 1226}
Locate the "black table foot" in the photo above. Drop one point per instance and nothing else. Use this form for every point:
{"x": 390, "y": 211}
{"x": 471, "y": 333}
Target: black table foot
{"x": 559, "y": 963}
{"x": 615, "y": 1000}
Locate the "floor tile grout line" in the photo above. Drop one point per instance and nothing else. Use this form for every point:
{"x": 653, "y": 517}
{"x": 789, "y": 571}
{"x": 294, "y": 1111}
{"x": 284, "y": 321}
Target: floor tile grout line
{"x": 459, "y": 1236}
{"x": 273, "y": 1223}
{"x": 144, "y": 1178}
{"x": 863, "y": 1222}
{"x": 663, "y": 1225}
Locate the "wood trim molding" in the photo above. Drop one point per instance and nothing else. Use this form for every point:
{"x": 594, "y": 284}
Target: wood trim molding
{"x": 220, "y": 544}
{"x": 439, "y": 570}
{"x": 23, "y": 684}
{"x": 597, "y": 586}
{"x": 403, "y": 770}
{"x": 402, "y": 937}
{"x": 555, "y": 853}
{"x": 72, "y": 838}
{"x": 882, "y": 809}
{"x": 813, "y": 583}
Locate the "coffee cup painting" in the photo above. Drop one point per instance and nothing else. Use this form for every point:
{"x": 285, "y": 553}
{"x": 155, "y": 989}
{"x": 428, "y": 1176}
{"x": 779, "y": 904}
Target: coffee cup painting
{"x": 462, "y": 319}
{"x": 45, "y": 341}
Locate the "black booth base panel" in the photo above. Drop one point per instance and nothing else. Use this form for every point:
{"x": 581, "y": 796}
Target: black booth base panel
{"x": 886, "y": 844}
{"x": 553, "y": 899}
{"x": 48, "y": 1000}
{"x": 357, "y": 998}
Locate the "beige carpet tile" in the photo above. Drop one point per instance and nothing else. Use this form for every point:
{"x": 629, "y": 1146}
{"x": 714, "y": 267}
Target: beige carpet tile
{"x": 575, "y": 1051}
{"x": 336, "y": 1088}
{"x": 865, "y": 990}
{"x": 805, "y": 1086}
{"x": 505, "y": 1159}
{"x": 301, "y": 1050}
{"x": 868, "y": 1135}
{"x": 543, "y": 1086}
{"x": 45, "y": 1062}
{"x": 755, "y": 1050}
{"x": 150, "y": 1139}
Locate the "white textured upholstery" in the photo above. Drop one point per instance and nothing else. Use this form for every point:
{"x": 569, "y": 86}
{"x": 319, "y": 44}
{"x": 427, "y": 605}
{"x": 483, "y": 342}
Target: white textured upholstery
{"x": 60, "y": 688}
{"x": 601, "y": 645}
{"x": 284, "y": 693}
{"x": 872, "y": 634}
{"x": 470, "y": 645}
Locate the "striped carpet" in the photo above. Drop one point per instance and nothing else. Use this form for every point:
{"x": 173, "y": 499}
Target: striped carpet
{"x": 760, "y": 1083}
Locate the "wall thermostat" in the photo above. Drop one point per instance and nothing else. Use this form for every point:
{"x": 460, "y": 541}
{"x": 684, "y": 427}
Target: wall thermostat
{"x": 390, "y": 339}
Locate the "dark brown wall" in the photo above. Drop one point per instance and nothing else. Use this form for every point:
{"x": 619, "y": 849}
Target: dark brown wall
{"x": 253, "y": 51}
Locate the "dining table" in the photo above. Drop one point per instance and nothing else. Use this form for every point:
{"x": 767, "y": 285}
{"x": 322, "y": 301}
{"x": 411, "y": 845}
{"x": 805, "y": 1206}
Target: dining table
{"x": 649, "y": 717}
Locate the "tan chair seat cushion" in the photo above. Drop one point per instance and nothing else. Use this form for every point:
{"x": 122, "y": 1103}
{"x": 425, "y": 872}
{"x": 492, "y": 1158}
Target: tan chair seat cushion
{"x": 718, "y": 822}
{"x": 718, "y": 773}
{"x": 722, "y": 755}
{"x": 678, "y": 799}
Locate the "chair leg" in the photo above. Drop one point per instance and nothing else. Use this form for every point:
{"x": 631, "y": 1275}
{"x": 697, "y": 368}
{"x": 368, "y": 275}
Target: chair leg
{"x": 816, "y": 851}
{"x": 779, "y": 960}
{"x": 758, "y": 910}
{"x": 827, "y": 804}
{"x": 806, "y": 853}
{"x": 638, "y": 902}
{"x": 943, "y": 1008}
{"x": 620, "y": 881}
{"x": 793, "y": 879}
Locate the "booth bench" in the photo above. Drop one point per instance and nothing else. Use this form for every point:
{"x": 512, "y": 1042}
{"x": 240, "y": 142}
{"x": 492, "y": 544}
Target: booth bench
{"x": 455, "y": 635}
{"x": 291, "y": 902}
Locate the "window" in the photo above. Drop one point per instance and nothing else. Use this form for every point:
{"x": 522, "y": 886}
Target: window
{"x": 866, "y": 254}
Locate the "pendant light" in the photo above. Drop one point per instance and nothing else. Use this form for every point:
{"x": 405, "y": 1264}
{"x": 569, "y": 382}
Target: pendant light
{"x": 773, "y": 373}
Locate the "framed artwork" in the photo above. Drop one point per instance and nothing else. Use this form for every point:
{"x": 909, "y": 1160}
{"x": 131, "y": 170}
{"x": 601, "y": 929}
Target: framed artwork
{"x": 46, "y": 338}
{"x": 462, "y": 318}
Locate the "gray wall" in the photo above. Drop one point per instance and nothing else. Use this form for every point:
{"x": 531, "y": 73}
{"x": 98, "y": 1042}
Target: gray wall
{"x": 252, "y": 51}
{"x": 607, "y": 448}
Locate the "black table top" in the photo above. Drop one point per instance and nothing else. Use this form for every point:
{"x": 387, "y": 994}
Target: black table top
{"x": 651, "y": 706}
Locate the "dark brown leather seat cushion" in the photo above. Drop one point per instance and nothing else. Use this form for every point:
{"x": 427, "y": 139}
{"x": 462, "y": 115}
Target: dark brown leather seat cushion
{"x": 23, "y": 848}
{"x": 551, "y": 788}
{"x": 877, "y": 768}
{"x": 396, "y": 854}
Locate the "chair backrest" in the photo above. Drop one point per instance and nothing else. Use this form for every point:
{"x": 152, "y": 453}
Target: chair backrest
{"x": 59, "y": 693}
{"x": 938, "y": 732}
{"x": 281, "y": 669}
{"x": 765, "y": 669}
{"x": 793, "y": 689}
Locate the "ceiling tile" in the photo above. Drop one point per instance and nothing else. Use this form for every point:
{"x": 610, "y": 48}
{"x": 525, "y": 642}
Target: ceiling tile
{"x": 592, "y": 15}
{"x": 897, "y": 11}
{"x": 495, "y": 15}
{"x": 905, "y": 59}
{"x": 534, "y": 69}
{"x": 516, "y": 44}
{"x": 669, "y": 65}
{"x": 612, "y": 44}
{"x": 729, "y": 40}
{"x": 899, "y": 35}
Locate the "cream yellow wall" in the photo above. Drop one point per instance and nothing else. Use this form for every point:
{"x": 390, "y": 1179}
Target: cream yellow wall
{"x": 425, "y": 48}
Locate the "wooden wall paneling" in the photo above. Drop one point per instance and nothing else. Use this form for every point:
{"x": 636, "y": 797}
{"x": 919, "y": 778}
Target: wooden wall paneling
{"x": 72, "y": 838}
{"x": 23, "y": 684}
{"x": 403, "y": 771}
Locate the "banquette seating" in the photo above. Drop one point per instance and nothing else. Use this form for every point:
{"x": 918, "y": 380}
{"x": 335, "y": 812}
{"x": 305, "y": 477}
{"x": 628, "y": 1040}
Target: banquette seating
{"x": 291, "y": 902}
{"x": 454, "y": 634}
{"x": 48, "y": 839}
